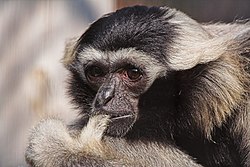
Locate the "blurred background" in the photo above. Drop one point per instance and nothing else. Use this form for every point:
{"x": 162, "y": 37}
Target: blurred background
{"x": 32, "y": 39}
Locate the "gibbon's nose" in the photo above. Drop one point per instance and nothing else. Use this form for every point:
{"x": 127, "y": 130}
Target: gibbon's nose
{"x": 104, "y": 95}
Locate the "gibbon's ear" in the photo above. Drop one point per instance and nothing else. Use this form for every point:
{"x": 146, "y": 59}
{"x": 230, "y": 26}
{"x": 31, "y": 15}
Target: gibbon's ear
{"x": 70, "y": 51}
{"x": 192, "y": 48}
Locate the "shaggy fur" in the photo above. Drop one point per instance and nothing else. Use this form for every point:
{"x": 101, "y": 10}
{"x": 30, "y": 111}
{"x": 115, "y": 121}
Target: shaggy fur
{"x": 191, "y": 108}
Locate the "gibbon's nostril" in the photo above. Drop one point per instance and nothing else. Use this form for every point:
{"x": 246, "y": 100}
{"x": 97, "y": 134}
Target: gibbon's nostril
{"x": 107, "y": 95}
{"x": 104, "y": 96}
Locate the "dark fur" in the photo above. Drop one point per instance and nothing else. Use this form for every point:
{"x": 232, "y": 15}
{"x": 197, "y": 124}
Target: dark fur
{"x": 117, "y": 30}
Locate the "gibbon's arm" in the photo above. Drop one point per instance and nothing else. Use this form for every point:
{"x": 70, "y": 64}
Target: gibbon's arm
{"x": 51, "y": 145}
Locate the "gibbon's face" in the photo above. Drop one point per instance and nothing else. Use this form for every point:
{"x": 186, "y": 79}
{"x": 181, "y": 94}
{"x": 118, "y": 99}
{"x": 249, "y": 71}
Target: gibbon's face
{"x": 117, "y": 59}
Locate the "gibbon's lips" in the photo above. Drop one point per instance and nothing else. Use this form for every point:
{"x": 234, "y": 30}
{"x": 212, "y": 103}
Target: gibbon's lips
{"x": 119, "y": 125}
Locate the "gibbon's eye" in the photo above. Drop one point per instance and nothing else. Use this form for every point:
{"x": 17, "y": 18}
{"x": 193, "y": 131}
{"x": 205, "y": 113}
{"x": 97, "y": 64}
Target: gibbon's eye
{"x": 94, "y": 72}
{"x": 133, "y": 73}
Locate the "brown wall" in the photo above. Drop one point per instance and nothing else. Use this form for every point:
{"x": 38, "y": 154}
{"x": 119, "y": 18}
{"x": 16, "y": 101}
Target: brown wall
{"x": 201, "y": 10}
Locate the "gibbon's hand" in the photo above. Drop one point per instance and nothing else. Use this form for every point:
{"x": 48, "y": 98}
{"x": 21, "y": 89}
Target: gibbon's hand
{"x": 50, "y": 143}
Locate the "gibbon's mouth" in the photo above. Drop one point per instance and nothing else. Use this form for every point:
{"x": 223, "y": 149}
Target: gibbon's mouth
{"x": 119, "y": 125}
